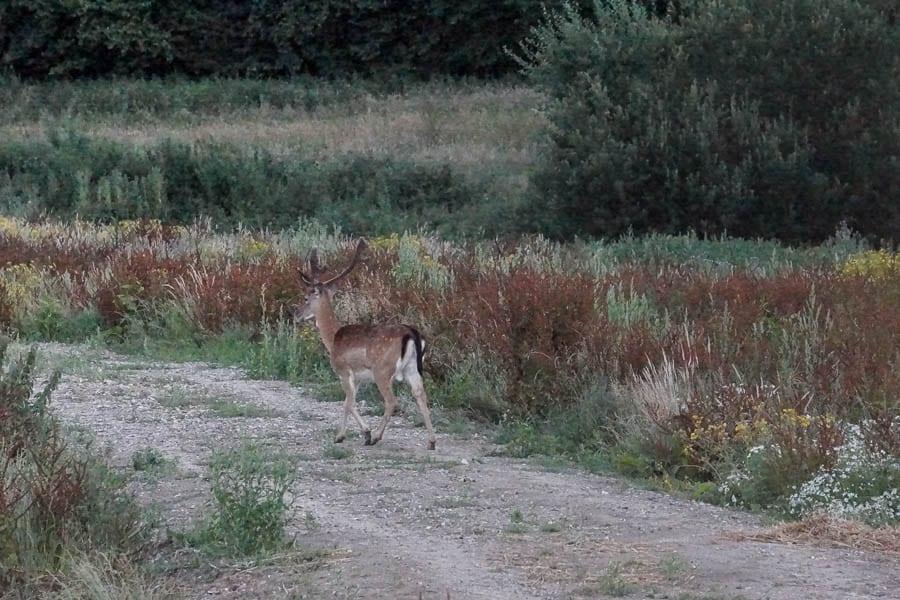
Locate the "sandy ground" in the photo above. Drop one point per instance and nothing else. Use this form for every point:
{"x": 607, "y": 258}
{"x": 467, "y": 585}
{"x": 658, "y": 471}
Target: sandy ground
{"x": 398, "y": 521}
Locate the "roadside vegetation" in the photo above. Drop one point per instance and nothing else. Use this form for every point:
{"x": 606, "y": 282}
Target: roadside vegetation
{"x": 68, "y": 527}
{"x": 746, "y": 373}
{"x": 71, "y": 528}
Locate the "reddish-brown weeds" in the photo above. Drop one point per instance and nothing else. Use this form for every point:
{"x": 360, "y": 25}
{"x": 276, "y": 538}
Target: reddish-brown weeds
{"x": 826, "y": 343}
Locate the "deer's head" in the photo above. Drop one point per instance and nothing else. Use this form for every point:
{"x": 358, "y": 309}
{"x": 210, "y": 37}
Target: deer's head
{"x": 319, "y": 288}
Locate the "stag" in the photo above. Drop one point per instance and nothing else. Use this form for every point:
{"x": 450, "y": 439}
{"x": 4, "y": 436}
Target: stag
{"x": 359, "y": 353}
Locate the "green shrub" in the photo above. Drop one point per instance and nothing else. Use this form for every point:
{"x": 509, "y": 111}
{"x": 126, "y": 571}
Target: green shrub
{"x": 250, "y": 490}
{"x": 587, "y": 423}
{"x": 381, "y": 196}
{"x": 582, "y": 429}
{"x": 49, "y": 322}
{"x": 678, "y": 125}
{"x": 522, "y": 439}
{"x": 290, "y": 353}
{"x": 474, "y": 383}
{"x": 152, "y": 462}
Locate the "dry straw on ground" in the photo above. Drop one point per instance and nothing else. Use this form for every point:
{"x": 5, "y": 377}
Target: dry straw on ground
{"x": 822, "y": 530}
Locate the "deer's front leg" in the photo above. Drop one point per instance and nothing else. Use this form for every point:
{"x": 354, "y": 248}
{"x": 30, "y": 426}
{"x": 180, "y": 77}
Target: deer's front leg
{"x": 350, "y": 409}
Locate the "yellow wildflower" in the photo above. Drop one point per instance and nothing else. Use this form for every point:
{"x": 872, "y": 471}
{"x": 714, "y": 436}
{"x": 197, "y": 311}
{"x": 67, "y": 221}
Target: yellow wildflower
{"x": 876, "y": 265}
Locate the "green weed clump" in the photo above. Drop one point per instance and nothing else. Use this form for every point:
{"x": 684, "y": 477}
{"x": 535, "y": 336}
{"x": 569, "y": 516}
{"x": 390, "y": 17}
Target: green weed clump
{"x": 152, "y": 462}
{"x": 250, "y": 498}
{"x": 286, "y": 351}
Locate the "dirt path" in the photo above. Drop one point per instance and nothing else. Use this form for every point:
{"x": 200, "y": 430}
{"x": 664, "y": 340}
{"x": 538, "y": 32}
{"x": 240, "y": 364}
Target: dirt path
{"x": 397, "y": 521}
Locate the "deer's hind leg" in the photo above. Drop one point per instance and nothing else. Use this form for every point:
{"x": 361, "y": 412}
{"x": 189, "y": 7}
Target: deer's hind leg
{"x": 385, "y": 386}
{"x": 418, "y": 390}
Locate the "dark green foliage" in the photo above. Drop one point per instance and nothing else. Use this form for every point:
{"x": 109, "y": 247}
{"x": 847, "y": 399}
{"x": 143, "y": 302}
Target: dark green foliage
{"x": 720, "y": 121}
{"x": 49, "y": 37}
{"x": 267, "y": 37}
{"x": 100, "y": 180}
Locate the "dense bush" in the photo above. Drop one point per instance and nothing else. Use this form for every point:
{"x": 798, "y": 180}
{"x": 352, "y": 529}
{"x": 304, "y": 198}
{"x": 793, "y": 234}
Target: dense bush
{"x": 717, "y": 120}
{"x": 271, "y": 37}
{"x": 73, "y": 175}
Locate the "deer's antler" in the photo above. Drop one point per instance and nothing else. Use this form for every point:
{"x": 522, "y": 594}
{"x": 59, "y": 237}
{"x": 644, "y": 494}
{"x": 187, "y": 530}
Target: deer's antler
{"x": 315, "y": 270}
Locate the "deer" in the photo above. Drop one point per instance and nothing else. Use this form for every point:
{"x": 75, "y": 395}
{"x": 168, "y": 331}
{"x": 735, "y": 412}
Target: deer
{"x": 360, "y": 353}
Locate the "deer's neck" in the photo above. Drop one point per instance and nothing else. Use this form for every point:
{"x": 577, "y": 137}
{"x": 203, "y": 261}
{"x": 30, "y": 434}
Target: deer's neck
{"x": 326, "y": 322}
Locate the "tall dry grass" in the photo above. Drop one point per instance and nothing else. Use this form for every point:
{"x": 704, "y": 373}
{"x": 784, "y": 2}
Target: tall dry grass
{"x": 471, "y": 127}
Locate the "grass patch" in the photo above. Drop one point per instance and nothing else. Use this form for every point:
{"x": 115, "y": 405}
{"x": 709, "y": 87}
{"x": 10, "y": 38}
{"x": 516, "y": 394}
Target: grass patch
{"x": 152, "y": 463}
{"x": 458, "y": 426}
{"x": 178, "y": 396}
{"x": 229, "y": 409}
{"x": 454, "y": 502}
{"x": 551, "y": 527}
{"x": 516, "y": 523}
{"x": 337, "y": 451}
{"x": 613, "y": 583}
{"x": 485, "y": 126}
{"x": 672, "y": 567}
{"x": 101, "y": 576}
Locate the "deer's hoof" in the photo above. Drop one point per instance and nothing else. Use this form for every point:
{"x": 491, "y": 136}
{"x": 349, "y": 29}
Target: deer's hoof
{"x": 338, "y": 439}
{"x": 368, "y": 436}
{"x": 431, "y": 445}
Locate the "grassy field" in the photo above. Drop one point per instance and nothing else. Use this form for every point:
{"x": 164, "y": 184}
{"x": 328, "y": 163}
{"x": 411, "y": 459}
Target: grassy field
{"x": 741, "y": 372}
{"x": 450, "y": 156}
{"x": 473, "y": 126}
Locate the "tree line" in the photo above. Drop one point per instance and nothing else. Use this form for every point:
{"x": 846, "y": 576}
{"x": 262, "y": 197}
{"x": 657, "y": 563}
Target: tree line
{"x": 330, "y": 38}
{"x": 269, "y": 38}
